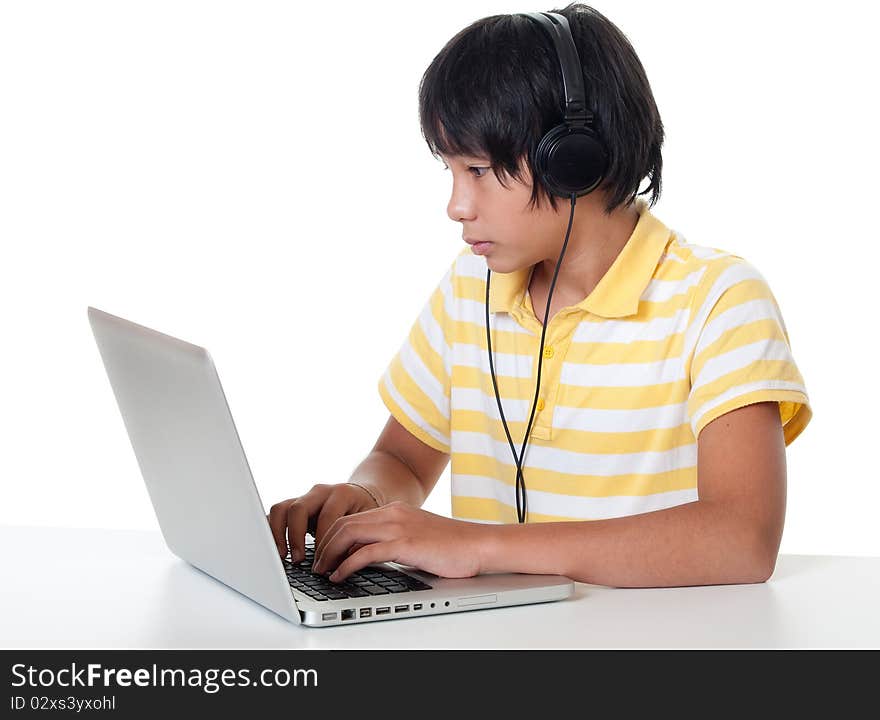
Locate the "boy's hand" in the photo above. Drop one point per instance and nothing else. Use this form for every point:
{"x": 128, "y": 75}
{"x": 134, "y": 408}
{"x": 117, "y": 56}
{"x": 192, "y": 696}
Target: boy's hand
{"x": 400, "y": 533}
{"x": 315, "y": 512}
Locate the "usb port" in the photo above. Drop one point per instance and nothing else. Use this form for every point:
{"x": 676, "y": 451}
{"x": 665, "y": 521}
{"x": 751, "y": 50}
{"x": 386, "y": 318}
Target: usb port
{"x": 383, "y": 610}
{"x": 401, "y": 608}
{"x": 366, "y": 612}
{"x": 328, "y": 616}
{"x": 417, "y": 607}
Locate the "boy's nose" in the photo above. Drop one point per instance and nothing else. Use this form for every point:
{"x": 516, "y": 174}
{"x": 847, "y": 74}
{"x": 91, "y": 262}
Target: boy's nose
{"x": 459, "y": 208}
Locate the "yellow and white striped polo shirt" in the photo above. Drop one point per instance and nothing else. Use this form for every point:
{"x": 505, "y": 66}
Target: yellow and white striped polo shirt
{"x": 673, "y": 336}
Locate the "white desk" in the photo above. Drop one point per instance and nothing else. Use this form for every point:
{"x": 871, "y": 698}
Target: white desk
{"x": 72, "y": 588}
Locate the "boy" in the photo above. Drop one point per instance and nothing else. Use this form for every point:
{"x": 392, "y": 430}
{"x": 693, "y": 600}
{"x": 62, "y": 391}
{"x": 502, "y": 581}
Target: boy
{"x": 666, "y": 391}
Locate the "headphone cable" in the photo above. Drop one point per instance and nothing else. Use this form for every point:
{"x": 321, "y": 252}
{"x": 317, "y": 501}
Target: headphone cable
{"x": 520, "y": 489}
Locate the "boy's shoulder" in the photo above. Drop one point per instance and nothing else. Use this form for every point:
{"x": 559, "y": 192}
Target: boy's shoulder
{"x": 714, "y": 281}
{"x": 696, "y": 256}
{"x": 705, "y": 266}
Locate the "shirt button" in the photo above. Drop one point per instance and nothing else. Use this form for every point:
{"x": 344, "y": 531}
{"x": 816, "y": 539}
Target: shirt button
{"x": 548, "y": 352}
{"x": 540, "y": 404}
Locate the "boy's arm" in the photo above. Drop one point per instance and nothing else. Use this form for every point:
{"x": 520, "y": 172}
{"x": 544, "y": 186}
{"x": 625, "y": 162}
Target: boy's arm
{"x": 730, "y": 535}
{"x": 400, "y": 467}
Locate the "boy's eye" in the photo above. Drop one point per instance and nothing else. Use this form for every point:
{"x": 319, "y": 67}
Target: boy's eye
{"x": 475, "y": 169}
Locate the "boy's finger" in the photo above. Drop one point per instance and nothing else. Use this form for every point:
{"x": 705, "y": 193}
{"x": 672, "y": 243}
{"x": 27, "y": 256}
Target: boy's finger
{"x": 350, "y": 533}
{"x": 335, "y": 508}
{"x": 277, "y": 518}
{"x": 300, "y": 516}
{"x": 297, "y": 520}
{"x": 367, "y": 555}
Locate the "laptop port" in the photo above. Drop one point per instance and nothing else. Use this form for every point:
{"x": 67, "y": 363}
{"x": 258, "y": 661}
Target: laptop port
{"x": 328, "y": 616}
{"x": 366, "y": 612}
{"x": 383, "y": 610}
{"x": 401, "y": 608}
{"x": 417, "y": 607}
{"x": 348, "y": 614}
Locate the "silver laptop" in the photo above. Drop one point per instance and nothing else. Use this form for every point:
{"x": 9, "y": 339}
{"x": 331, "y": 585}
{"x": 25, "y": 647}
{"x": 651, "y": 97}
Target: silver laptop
{"x": 210, "y": 512}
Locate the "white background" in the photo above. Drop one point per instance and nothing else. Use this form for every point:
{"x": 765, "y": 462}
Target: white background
{"x": 251, "y": 177}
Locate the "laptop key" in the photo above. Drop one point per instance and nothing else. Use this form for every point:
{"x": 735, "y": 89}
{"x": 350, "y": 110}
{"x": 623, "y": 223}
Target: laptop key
{"x": 378, "y": 590}
{"x": 416, "y": 584}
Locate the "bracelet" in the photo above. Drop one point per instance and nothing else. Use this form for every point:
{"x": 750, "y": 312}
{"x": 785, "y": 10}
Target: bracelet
{"x": 378, "y": 504}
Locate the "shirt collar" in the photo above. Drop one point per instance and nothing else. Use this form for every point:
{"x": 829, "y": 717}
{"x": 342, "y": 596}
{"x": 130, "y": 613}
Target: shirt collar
{"x": 618, "y": 293}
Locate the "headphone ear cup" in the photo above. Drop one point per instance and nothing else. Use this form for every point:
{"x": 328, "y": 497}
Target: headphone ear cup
{"x": 571, "y": 160}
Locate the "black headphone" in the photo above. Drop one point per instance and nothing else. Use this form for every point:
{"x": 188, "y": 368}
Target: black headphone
{"x": 571, "y": 160}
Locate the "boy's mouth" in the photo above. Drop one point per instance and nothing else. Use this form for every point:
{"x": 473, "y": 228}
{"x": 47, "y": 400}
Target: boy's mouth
{"x": 478, "y": 247}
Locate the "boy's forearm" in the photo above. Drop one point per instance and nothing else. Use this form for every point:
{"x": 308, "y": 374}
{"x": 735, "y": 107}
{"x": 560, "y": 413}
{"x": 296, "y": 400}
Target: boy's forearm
{"x": 698, "y": 543}
{"x": 389, "y": 479}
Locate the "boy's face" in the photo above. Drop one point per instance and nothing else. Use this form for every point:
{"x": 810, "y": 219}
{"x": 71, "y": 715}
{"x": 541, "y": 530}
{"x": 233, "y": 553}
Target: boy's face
{"x": 489, "y": 212}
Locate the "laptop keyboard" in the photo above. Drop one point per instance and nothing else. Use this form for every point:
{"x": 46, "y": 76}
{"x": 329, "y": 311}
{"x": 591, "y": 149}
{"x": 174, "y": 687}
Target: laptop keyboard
{"x": 363, "y": 583}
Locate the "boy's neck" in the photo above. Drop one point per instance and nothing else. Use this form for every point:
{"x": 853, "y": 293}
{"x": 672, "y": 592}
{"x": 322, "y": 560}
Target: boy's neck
{"x": 596, "y": 241}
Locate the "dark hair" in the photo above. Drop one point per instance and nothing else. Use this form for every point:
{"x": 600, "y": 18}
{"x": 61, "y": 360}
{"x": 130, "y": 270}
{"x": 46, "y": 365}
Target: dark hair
{"x": 496, "y": 88}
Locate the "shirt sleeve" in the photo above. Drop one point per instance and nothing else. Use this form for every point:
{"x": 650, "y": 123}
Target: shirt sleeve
{"x": 742, "y": 353}
{"x": 415, "y": 386}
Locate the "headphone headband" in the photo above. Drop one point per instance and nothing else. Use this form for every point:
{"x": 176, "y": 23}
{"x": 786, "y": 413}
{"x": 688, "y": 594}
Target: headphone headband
{"x": 557, "y": 27}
